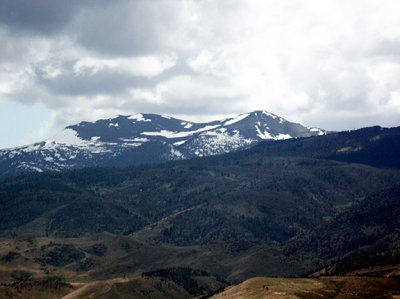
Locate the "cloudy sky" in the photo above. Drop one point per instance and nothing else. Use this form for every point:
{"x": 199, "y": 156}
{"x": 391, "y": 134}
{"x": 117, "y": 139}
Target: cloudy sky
{"x": 332, "y": 64}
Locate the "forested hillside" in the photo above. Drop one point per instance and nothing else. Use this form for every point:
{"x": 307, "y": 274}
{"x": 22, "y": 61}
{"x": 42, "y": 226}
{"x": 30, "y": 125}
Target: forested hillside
{"x": 281, "y": 208}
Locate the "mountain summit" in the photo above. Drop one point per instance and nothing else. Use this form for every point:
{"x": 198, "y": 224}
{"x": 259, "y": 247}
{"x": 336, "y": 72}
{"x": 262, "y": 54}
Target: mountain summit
{"x": 147, "y": 138}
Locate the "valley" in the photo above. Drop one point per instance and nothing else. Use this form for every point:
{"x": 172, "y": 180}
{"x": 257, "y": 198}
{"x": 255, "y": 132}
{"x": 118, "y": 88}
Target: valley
{"x": 196, "y": 227}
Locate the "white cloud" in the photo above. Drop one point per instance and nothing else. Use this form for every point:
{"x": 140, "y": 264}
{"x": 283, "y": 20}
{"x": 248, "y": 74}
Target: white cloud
{"x": 188, "y": 89}
{"x": 332, "y": 64}
{"x": 145, "y": 95}
{"x": 147, "y": 66}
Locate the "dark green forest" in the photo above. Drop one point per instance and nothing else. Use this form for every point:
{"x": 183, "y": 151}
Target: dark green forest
{"x": 280, "y": 208}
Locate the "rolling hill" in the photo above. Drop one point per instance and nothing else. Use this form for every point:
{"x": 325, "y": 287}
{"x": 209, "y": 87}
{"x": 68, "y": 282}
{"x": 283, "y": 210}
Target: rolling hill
{"x": 280, "y": 208}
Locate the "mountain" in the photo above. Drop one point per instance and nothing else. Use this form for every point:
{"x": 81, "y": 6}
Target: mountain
{"x": 146, "y": 138}
{"x": 280, "y": 208}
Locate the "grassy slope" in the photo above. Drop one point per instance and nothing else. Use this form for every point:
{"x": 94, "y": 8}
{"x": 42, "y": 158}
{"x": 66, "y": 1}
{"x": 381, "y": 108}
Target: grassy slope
{"x": 130, "y": 288}
{"x": 35, "y": 289}
{"x": 327, "y": 287}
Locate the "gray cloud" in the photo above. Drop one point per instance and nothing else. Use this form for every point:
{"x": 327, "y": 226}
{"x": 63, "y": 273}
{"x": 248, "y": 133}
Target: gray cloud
{"x": 105, "y": 82}
{"x": 37, "y": 17}
{"x": 132, "y": 28}
{"x": 108, "y": 82}
{"x": 330, "y": 64}
{"x": 388, "y": 48}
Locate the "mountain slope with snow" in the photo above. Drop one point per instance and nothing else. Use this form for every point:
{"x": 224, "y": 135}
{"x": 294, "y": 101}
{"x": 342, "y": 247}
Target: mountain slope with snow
{"x": 147, "y": 138}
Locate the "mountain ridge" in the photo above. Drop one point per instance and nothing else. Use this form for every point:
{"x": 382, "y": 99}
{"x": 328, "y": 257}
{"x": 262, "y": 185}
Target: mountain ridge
{"x": 147, "y": 138}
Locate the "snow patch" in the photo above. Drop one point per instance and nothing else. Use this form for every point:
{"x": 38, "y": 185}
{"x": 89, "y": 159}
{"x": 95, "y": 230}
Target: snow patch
{"x": 49, "y": 159}
{"x": 29, "y": 148}
{"x": 212, "y": 143}
{"x": 186, "y": 125}
{"x": 113, "y": 125}
{"x": 320, "y": 132}
{"x": 283, "y": 136}
{"x": 175, "y": 154}
{"x": 68, "y": 137}
{"x": 218, "y": 132}
{"x": 265, "y": 135}
{"x": 269, "y": 114}
{"x": 210, "y": 133}
{"x": 222, "y": 130}
{"x": 128, "y": 144}
{"x": 236, "y": 119}
{"x": 25, "y": 165}
{"x": 170, "y": 134}
{"x": 179, "y": 143}
{"x": 134, "y": 139}
{"x": 138, "y": 117}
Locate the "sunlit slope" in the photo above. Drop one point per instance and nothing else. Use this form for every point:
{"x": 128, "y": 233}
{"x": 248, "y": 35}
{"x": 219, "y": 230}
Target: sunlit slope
{"x": 328, "y": 287}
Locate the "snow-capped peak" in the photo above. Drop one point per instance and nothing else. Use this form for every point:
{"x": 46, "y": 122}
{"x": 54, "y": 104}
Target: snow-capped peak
{"x": 145, "y": 138}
